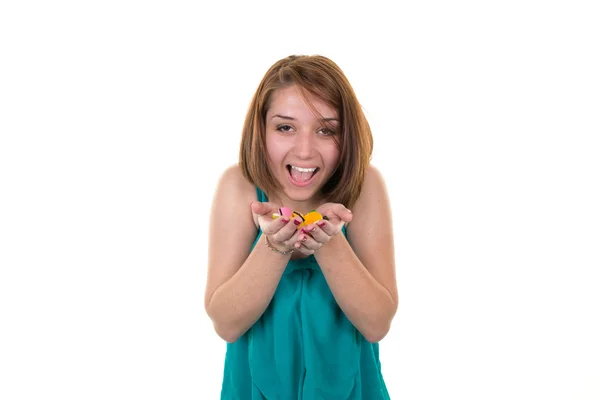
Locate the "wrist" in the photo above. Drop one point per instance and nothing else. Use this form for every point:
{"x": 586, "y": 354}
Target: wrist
{"x": 277, "y": 250}
{"x": 336, "y": 244}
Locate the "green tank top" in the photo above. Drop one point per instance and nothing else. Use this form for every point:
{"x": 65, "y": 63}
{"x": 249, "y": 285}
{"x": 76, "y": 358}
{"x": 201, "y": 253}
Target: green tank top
{"x": 303, "y": 347}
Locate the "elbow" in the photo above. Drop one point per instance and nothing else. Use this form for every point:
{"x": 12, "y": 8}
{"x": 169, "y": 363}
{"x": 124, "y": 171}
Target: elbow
{"x": 222, "y": 328}
{"x": 381, "y": 328}
{"x": 377, "y": 335}
{"x": 227, "y": 335}
{"x": 378, "y": 330}
{"x": 381, "y": 323}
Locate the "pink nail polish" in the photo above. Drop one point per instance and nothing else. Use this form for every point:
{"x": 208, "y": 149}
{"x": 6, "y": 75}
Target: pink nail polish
{"x": 296, "y": 222}
{"x": 321, "y": 224}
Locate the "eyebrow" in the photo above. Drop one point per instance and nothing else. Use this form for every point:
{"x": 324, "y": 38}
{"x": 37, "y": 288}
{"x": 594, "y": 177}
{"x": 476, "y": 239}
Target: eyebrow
{"x": 293, "y": 119}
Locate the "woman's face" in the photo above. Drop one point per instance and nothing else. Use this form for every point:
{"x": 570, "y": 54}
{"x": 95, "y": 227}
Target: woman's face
{"x": 301, "y": 149}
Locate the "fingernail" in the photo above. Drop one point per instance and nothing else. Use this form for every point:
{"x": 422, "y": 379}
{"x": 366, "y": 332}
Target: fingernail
{"x": 285, "y": 220}
{"x": 296, "y": 222}
{"x": 303, "y": 230}
{"x": 303, "y": 239}
{"x": 313, "y": 229}
{"x": 321, "y": 224}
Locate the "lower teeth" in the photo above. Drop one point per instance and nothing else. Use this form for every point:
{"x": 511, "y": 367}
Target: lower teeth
{"x": 301, "y": 176}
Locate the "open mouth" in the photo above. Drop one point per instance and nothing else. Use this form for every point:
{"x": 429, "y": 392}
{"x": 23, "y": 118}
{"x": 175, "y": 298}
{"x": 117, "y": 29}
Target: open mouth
{"x": 301, "y": 175}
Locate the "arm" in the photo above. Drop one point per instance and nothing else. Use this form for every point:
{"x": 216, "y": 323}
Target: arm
{"x": 360, "y": 271}
{"x": 239, "y": 286}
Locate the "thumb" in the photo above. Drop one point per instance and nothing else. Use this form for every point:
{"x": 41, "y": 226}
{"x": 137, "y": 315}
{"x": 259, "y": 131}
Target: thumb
{"x": 346, "y": 215}
{"x": 261, "y": 208}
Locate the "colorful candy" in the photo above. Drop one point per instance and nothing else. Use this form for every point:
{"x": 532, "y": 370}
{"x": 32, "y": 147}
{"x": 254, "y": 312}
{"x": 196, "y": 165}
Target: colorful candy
{"x": 284, "y": 212}
{"x": 299, "y": 214}
{"x": 311, "y": 217}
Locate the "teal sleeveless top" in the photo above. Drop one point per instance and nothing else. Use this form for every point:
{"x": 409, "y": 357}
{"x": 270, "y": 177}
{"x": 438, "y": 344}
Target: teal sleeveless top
{"x": 303, "y": 346}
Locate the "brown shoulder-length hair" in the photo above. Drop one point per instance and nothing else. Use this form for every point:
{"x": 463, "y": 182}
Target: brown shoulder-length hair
{"x": 321, "y": 77}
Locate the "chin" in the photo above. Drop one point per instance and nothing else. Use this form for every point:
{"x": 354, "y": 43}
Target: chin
{"x": 300, "y": 195}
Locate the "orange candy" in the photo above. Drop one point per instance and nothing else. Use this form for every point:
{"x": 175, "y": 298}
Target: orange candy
{"x": 310, "y": 218}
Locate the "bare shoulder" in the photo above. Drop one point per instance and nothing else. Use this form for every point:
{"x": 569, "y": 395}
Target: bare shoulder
{"x": 234, "y": 188}
{"x": 233, "y": 196}
{"x": 374, "y": 179}
{"x": 374, "y": 194}
{"x": 233, "y": 180}
{"x": 232, "y": 229}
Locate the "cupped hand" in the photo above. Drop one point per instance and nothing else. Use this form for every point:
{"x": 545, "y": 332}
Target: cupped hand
{"x": 281, "y": 232}
{"x": 316, "y": 235}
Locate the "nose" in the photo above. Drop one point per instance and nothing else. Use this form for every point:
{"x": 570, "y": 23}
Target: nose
{"x": 304, "y": 146}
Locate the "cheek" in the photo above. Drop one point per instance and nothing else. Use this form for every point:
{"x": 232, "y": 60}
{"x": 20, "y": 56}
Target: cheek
{"x": 271, "y": 149}
{"x": 275, "y": 154}
{"x": 333, "y": 156}
{"x": 277, "y": 147}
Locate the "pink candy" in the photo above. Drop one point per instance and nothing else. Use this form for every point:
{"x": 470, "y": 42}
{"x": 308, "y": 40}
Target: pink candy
{"x": 285, "y": 212}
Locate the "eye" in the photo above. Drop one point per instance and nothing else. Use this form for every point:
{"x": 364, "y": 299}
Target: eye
{"x": 326, "y": 132}
{"x": 284, "y": 128}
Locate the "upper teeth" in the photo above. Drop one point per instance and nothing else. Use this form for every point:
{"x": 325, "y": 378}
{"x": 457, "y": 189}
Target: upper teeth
{"x": 304, "y": 169}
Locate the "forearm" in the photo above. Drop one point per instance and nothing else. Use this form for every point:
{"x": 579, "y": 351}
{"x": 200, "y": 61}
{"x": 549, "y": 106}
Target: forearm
{"x": 366, "y": 303}
{"x": 239, "y": 302}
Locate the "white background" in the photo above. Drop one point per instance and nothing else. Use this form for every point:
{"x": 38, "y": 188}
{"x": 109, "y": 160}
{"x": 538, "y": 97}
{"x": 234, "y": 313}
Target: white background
{"x": 117, "y": 118}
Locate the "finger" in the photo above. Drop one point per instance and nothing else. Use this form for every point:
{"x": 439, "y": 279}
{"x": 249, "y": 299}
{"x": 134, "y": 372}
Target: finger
{"x": 308, "y": 243}
{"x": 286, "y": 232}
{"x": 347, "y": 216}
{"x": 329, "y": 228}
{"x": 336, "y": 210}
{"x": 301, "y": 248}
{"x": 270, "y": 226}
{"x": 263, "y": 208}
{"x": 317, "y": 233}
{"x": 342, "y": 212}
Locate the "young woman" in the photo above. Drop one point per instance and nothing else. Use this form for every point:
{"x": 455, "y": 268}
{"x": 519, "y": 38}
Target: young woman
{"x": 302, "y": 310}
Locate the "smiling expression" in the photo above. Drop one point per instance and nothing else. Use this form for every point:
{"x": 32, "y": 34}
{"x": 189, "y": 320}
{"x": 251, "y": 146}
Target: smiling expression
{"x": 302, "y": 149}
